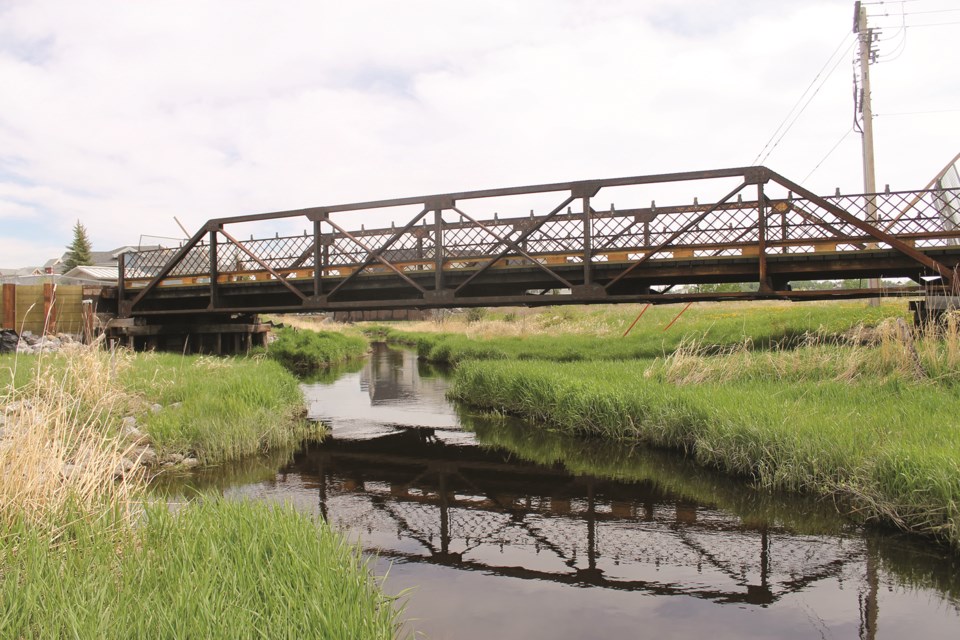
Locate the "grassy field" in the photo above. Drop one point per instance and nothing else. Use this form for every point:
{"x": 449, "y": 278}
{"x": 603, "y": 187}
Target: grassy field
{"x": 834, "y": 399}
{"x": 568, "y": 334}
{"x": 83, "y": 554}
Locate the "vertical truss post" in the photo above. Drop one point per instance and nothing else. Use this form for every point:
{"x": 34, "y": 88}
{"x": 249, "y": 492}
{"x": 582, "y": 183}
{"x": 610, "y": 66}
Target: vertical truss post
{"x": 122, "y": 309}
{"x": 765, "y": 284}
{"x": 214, "y": 272}
{"x": 318, "y": 261}
{"x": 438, "y": 249}
{"x": 587, "y": 242}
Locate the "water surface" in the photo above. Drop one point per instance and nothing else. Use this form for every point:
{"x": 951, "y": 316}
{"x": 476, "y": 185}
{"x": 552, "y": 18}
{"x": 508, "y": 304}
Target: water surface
{"x": 506, "y": 531}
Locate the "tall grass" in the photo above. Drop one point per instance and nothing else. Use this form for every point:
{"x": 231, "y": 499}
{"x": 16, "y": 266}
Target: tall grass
{"x": 60, "y": 450}
{"x": 890, "y": 447}
{"x": 82, "y": 556}
{"x": 219, "y": 409}
{"x": 215, "y": 569}
{"x": 306, "y": 351}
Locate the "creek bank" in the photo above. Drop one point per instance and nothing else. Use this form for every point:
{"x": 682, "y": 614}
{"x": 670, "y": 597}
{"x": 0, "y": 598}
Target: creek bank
{"x": 867, "y": 415}
{"x": 82, "y": 432}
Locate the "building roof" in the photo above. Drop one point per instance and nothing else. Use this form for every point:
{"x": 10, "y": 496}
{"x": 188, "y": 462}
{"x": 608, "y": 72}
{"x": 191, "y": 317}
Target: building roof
{"x": 98, "y": 273}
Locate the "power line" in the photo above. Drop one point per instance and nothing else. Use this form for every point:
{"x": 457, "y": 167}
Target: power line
{"x": 767, "y": 147}
{"x": 829, "y": 153}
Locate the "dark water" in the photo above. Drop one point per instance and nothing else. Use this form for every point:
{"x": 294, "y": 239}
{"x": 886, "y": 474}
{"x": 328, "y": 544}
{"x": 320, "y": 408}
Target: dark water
{"x": 504, "y": 531}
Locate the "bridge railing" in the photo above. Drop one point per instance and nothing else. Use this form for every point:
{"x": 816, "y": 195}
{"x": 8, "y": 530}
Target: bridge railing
{"x": 776, "y": 217}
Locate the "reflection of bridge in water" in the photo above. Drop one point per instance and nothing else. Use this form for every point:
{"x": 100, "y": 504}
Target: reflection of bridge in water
{"x": 416, "y": 499}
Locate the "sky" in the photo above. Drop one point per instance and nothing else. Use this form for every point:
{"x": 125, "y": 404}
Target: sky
{"x": 124, "y": 115}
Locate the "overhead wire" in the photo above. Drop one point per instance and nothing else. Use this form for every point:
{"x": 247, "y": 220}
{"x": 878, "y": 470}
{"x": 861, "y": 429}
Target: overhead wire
{"x": 786, "y": 124}
{"x": 829, "y": 153}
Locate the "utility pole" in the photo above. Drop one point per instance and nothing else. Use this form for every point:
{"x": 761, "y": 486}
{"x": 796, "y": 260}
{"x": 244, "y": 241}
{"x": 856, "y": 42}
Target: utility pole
{"x": 865, "y": 35}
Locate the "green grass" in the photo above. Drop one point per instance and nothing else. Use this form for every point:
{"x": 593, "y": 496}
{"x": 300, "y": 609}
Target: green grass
{"x": 570, "y": 334}
{"x": 889, "y": 446}
{"x": 305, "y": 352}
{"x": 215, "y": 569}
{"x": 228, "y": 407}
{"x": 217, "y": 409}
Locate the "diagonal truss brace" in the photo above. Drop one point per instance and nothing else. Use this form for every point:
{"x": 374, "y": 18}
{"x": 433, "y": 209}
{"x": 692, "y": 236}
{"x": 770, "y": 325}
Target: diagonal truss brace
{"x": 676, "y": 234}
{"x": 506, "y": 241}
{"x": 526, "y": 234}
{"x": 377, "y": 254}
{"x": 263, "y": 264}
{"x": 938, "y": 267}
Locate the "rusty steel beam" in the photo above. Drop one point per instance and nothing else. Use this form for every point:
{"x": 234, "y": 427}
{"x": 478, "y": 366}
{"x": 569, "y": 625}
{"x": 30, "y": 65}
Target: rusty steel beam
{"x": 174, "y": 261}
{"x": 263, "y": 264}
{"x": 674, "y": 236}
{"x": 510, "y": 243}
{"x": 942, "y": 270}
{"x": 523, "y": 236}
{"x": 579, "y": 185}
{"x": 378, "y": 253}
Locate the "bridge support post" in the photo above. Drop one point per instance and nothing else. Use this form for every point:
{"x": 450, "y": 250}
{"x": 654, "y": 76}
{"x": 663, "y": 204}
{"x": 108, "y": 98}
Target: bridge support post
{"x": 587, "y": 243}
{"x": 438, "y": 249}
{"x": 318, "y": 261}
{"x": 214, "y": 271}
{"x": 122, "y": 308}
{"x": 766, "y": 286}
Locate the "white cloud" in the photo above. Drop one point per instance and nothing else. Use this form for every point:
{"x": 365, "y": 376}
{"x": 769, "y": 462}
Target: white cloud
{"x": 125, "y": 114}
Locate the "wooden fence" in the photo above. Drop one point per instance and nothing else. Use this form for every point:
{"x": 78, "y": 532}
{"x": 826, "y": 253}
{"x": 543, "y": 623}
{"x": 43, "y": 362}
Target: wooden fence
{"x": 46, "y": 308}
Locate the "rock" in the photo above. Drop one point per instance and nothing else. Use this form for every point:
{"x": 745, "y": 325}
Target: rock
{"x": 190, "y": 463}
{"x": 172, "y": 458}
{"x": 156, "y": 408}
{"x": 9, "y": 341}
{"x": 30, "y": 339}
{"x": 130, "y": 431}
{"x": 147, "y": 457}
{"x": 123, "y": 467}
{"x": 175, "y": 405}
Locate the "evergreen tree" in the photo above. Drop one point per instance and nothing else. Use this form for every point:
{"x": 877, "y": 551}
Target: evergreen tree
{"x": 78, "y": 251}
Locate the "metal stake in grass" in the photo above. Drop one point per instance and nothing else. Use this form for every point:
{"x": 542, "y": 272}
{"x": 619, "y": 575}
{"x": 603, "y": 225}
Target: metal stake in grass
{"x": 636, "y": 320}
{"x": 678, "y": 316}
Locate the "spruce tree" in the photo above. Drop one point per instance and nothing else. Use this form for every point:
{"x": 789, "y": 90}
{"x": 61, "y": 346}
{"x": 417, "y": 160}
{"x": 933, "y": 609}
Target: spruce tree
{"x": 78, "y": 251}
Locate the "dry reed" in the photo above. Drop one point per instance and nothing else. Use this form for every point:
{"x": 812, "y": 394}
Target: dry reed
{"x": 61, "y": 451}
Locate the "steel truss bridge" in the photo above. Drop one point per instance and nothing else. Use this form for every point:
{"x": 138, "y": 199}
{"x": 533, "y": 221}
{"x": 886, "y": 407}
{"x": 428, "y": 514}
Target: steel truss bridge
{"x": 453, "y": 251}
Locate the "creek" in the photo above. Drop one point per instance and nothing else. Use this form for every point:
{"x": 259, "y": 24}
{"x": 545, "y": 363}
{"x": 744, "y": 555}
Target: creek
{"x": 495, "y": 529}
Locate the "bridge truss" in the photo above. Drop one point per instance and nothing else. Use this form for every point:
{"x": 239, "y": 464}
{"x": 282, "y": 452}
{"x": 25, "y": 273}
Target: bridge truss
{"x": 453, "y": 252}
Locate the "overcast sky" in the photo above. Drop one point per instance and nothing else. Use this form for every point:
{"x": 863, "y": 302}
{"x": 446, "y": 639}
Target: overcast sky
{"x": 126, "y": 114}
